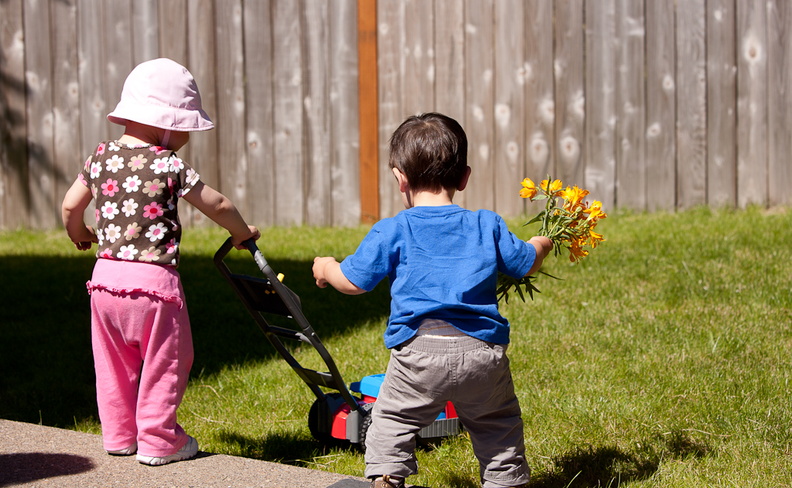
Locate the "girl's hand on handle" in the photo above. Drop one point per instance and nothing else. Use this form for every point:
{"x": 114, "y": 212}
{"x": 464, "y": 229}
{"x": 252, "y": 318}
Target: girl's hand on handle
{"x": 254, "y": 234}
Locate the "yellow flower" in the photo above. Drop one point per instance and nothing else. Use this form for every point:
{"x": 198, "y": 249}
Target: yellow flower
{"x": 574, "y": 196}
{"x": 595, "y": 238}
{"x": 552, "y": 188}
{"x": 595, "y": 211}
{"x": 576, "y": 251}
{"x": 528, "y": 189}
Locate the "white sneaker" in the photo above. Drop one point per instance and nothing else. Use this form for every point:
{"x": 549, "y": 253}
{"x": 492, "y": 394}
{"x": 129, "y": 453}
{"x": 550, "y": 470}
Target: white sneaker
{"x": 127, "y": 451}
{"x": 188, "y": 451}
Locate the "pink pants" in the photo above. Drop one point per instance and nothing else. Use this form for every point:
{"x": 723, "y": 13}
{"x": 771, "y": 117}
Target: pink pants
{"x": 143, "y": 352}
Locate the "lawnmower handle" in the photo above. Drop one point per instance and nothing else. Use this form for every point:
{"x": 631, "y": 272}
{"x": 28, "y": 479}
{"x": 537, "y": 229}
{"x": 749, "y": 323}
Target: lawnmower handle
{"x": 251, "y": 246}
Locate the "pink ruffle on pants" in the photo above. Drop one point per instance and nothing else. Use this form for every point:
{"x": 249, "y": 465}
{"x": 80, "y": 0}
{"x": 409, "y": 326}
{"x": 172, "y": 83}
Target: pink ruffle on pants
{"x": 143, "y": 352}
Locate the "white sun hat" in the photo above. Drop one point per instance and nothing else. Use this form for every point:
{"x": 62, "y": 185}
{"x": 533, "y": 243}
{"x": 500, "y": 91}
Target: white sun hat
{"x": 161, "y": 93}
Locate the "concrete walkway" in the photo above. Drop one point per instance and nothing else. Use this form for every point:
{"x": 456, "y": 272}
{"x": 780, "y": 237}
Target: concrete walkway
{"x": 34, "y": 455}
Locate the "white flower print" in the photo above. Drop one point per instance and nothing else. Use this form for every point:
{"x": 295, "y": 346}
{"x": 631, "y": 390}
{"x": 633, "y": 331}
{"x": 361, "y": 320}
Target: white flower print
{"x": 113, "y": 232}
{"x": 110, "y": 210}
{"x": 132, "y": 184}
{"x": 176, "y": 164}
{"x": 149, "y": 255}
{"x": 156, "y": 232}
{"x": 160, "y": 165}
{"x": 96, "y": 170}
{"x": 192, "y": 177}
{"x": 115, "y": 163}
{"x": 127, "y": 252}
{"x": 129, "y": 207}
{"x": 113, "y": 146}
{"x": 100, "y": 237}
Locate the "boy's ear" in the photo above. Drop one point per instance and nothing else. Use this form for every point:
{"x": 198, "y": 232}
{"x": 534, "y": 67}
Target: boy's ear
{"x": 401, "y": 179}
{"x": 464, "y": 182}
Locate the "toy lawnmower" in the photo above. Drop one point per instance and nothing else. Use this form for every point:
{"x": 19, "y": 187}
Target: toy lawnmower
{"x": 337, "y": 414}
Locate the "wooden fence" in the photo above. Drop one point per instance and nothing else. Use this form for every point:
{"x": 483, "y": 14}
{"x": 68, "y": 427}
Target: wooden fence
{"x": 648, "y": 104}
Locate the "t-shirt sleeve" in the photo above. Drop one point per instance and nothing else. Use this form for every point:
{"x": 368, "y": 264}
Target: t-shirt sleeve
{"x": 515, "y": 256}
{"x": 371, "y": 262}
{"x": 184, "y": 175}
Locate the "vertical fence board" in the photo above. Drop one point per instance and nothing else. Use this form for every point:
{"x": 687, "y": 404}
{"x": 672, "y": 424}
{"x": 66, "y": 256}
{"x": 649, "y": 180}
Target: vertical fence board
{"x": 660, "y": 106}
{"x": 721, "y": 104}
{"x": 691, "y": 180}
{"x": 38, "y": 83}
{"x": 539, "y": 140}
{"x": 368, "y": 110}
{"x": 449, "y": 26}
{"x": 173, "y": 31}
{"x": 600, "y": 146}
{"x": 569, "y": 96}
{"x": 145, "y": 22}
{"x": 449, "y": 85}
{"x": 630, "y": 95}
{"x": 751, "y": 103}
{"x": 479, "y": 98}
{"x": 201, "y": 52}
{"x": 288, "y": 113}
{"x": 779, "y": 78}
{"x": 115, "y": 56}
{"x": 508, "y": 109}
{"x": 13, "y": 126}
{"x": 390, "y": 19}
{"x": 231, "y": 108}
{"x": 318, "y": 203}
{"x": 173, "y": 36}
{"x": 344, "y": 109}
{"x": 66, "y": 156}
{"x": 259, "y": 124}
{"x": 93, "y": 104}
{"x": 418, "y": 58}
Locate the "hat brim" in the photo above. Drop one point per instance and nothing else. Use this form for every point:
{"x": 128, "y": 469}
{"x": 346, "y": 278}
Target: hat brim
{"x": 169, "y": 118}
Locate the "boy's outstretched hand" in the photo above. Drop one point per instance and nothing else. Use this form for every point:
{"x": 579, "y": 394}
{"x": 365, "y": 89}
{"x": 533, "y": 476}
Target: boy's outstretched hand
{"x": 327, "y": 271}
{"x": 319, "y": 269}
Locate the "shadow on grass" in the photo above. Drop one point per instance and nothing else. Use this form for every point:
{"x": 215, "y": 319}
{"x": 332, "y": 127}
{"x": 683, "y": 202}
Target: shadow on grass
{"x": 45, "y": 339}
{"x": 271, "y": 448}
{"x": 607, "y": 466}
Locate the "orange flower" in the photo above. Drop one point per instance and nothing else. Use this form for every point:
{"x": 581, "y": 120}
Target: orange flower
{"x": 528, "y": 189}
{"x": 574, "y": 196}
{"x": 576, "y": 251}
{"x": 553, "y": 188}
{"x": 595, "y": 238}
{"x": 595, "y": 211}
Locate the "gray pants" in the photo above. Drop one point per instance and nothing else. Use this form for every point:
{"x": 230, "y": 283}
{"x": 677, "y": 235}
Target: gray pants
{"x": 425, "y": 373}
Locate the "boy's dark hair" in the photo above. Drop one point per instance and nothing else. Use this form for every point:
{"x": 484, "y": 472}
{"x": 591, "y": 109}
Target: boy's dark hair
{"x": 431, "y": 150}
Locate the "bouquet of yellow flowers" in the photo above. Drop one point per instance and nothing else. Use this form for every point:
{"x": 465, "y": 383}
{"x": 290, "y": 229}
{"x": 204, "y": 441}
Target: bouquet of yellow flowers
{"x": 567, "y": 220}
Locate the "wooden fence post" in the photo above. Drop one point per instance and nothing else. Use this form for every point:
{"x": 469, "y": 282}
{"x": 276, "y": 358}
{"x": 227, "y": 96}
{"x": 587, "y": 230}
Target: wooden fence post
{"x": 369, "y": 126}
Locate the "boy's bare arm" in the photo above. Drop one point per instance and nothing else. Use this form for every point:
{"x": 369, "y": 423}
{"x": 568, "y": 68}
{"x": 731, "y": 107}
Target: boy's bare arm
{"x": 327, "y": 270}
{"x": 543, "y": 246}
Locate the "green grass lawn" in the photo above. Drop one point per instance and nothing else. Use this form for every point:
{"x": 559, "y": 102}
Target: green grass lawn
{"x": 662, "y": 360}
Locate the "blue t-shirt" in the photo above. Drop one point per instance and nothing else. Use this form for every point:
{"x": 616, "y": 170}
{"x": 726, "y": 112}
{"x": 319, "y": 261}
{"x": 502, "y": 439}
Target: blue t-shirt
{"x": 443, "y": 263}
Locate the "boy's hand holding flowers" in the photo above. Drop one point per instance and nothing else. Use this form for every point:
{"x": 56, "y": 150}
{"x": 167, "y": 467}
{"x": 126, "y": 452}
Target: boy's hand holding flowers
{"x": 567, "y": 220}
